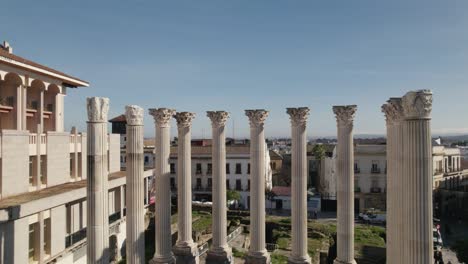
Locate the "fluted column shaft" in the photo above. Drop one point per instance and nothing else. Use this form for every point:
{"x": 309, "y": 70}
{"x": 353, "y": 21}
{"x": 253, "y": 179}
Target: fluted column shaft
{"x": 97, "y": 232}
{"x": 220, "y": 251}
{"x": 163, "y": 239}
{"x": 257, "y": 251}
{"x": 299, "y": 252}
{"x": 418, "y": 173}
{"x": 135, "y": 244}
{"x": 186, "y": 250}
{"x": 345, "y": 184}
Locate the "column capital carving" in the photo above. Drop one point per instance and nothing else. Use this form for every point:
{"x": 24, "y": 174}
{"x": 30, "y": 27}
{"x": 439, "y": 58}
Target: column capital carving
{"x": 162, "y": 116}
{"x": 218, "y": 118}
{"x": 184, "y": 119}
{"x": 257, "y": 117}
{"x": 345, "y": 114}
{"x": 98, "y": 108}
{"x": 298, "y": 115}
{"x": 134, "y": 115}
{"x": 417, "y": 104}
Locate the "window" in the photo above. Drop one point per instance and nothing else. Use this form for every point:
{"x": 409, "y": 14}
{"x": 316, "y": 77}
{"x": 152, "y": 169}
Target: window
{"x": 248, "y": 185}
{"x": 32, "y": 242}
{"x": 47, "y": 236}
{"x": 238, "y": 168}
{"x": 227, "y": 185}
{"x": 375, "y": 167}
{"x": 273, "y": 166}
{"x": 173, "y": 185}
{"x": 146, "y": 159}
{"x": 43, "y": 169}
{"x": 172, "y": 165}
{"x": 248, "y": 168}
{"x": 210, "y": 183}
{"x": 228, "y": 169}
{"x": 238, "y": 185}
{"x": 356, "y": 167}
{"x": 198, "y": 186}
{"x": 210, "y": 169}
{"x": 31, "y": 171}
{"x": 198, "y": 169}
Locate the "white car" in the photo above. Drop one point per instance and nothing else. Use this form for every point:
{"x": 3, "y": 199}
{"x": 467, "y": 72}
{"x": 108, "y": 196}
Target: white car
{"x": 374, "y": 218}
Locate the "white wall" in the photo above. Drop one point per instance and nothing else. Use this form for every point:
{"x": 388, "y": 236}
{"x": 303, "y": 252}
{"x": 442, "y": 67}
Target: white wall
{"x": 58, "y": 158}
{"x": 15, "y": 162}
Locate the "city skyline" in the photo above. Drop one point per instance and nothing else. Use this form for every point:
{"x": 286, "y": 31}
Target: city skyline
{"x": 241, "y": 55}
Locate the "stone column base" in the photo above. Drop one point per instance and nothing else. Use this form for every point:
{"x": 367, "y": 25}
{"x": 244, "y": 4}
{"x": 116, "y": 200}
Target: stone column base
{"x": 336, "y": 261}
{"x": 186, "y": 253}
{"x": 258, "y": 258}
{"x": 163, "y": 260}
{"x": 299, "y": 260}
{"x": 219, "y": 256}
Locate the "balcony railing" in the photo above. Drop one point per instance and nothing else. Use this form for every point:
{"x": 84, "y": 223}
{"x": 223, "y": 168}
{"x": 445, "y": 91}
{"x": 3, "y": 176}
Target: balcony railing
{"x": 357, "y": 170}
{"x": 7, "y": 101}
{"x": 375, "y": 170}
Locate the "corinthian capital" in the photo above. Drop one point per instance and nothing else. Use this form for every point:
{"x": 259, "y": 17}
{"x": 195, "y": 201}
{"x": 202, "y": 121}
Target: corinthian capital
{"x": 184, "y": 119}
{"x": 298, "y": 115}
{"x": 98, "y": 107}
{"x": 134, "y": 115}
{"x": 345, "y": 114}
{"x": 162, "y": 116}
{"x": 395, "y": 104}
{"x": 218, "y": 118}
{"x": 256, "y": 117}
{"x": 417, "y": 104}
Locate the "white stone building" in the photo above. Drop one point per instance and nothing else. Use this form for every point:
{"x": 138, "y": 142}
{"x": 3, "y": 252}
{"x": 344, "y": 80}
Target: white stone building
{"x": 370, "y": 171}
{"x": 44, "y": 169}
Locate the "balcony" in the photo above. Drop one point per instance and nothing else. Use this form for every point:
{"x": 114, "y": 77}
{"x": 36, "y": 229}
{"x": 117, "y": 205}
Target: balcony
{"x": 375, "y": 170}
{"x": 7, "y": 104}
{"x": 375, "y": 190}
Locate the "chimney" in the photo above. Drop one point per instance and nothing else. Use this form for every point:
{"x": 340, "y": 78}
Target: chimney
{"x": 6, "y": 46}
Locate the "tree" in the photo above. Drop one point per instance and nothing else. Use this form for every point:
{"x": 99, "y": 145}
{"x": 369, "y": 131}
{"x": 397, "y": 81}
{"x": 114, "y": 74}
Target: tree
{"x": 319, "y": 153}
{"x": 233, "y": 195}
{"x": 270, "y": 195}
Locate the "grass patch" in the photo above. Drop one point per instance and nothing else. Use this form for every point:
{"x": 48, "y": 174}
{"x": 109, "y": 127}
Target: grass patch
{"x": 369, "y": 235}
{"x": 278, "y": 259}
{"x": 238, "y": 254}
{"x": 202, "y": 223}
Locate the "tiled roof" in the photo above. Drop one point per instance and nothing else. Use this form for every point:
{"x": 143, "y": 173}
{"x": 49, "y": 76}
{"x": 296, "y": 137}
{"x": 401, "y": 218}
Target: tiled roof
{"x": 282, "y": 190}
{"x": 10, "y": 56}
{"x": 120, "y": 118}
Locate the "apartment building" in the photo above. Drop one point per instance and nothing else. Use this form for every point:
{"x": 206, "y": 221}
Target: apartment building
{"x": 43, "y": 168}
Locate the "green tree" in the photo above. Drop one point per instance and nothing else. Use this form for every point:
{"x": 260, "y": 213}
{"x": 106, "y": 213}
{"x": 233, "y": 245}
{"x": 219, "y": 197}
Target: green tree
{"x": 270, "y": 195}
{"x": 233, "y": 195}
{"x": 319, "y": 153}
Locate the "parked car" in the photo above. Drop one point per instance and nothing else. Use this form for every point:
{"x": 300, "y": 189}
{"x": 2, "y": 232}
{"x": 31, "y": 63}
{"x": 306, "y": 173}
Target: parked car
{"x": 373, "y": 218}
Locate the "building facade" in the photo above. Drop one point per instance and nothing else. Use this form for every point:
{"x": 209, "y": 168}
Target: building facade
{"x": 44, "y": 168}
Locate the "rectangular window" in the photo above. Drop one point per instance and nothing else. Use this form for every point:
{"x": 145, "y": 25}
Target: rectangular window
{"x": 238, "y": 168}
{"x": 198, "y": 186}
{"x": 228, "y": 169}
{"x": 47, "y": 236}
{"x": 210, "y": 183}
{"x": 32, "y": 242}
{"x": 146, "y": 159}
{"x": 273, "y": 166}
{"x": 375, "y": 167}
{"x": 210, "y": 169}
{"x": 227, "y": 185}
{"x": 198, "y": 168}
{"x": 238, "y": 185}
{"x": 248, "y": 168}
{"x": 173, "y": 184}
{"x": 248, "y": 185}
{"x": 173, "y": 171}
{"x": 356, "y": 167}
{"x": 43, "y": 170}
{"x": 31, "y": 171}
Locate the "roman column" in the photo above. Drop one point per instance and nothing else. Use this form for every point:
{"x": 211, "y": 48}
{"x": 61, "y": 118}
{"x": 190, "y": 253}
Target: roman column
{"x": 163, "y": 241}
{"x": 298, "y": 118}
{"x": 185, "y": 250}
{"x": 345, "y": 184}
{"x": 417, "y": 177}
{"x": 395, "y": 194}
{"x": 135, "y": 244}
{"x": 257, "y": 251}
{"x": 97, "y": 232}
{"x": 220, "y": 251}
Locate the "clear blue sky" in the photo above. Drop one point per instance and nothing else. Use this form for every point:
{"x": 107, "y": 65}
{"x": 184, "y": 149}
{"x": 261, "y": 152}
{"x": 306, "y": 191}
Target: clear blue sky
{"x": 235, "y": 55}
